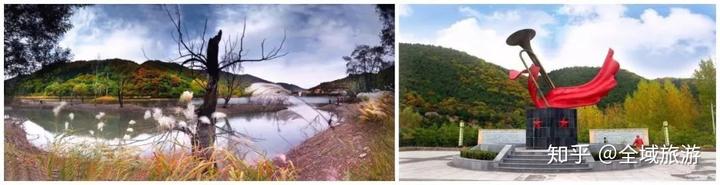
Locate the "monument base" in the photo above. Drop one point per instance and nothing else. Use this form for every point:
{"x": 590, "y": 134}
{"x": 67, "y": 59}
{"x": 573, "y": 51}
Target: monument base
{"x": 550, "y": 126}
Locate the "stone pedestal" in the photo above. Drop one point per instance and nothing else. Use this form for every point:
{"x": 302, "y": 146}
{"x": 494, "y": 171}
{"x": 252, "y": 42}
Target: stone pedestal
{"x": 548, "y": 126}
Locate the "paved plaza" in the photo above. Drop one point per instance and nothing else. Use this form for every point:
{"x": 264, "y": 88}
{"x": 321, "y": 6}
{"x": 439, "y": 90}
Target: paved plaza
{"x": 435, "y": 165}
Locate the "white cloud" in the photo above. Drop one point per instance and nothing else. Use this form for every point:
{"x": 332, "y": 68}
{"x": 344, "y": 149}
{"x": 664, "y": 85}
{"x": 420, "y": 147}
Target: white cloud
{"x": 403, "y": 10}
{"x": 305, "y": 76}
{"x": 593, "y": 11}
{"x": 512, "y": 20}
{"x": 484, "y": 35}
{"x": 652, "y": 45}
{"x": 315, "y": 46}
{"x": 115, "y": 39}
{"x": 409, "y": 37}
{"x": 317, "y": 36}
{"x": 466, "y": 35}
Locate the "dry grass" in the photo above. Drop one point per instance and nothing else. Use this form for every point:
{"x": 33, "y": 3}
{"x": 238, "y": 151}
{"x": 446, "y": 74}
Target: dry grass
{"x": 96, "y": 161}
{"x": 361, "y": 147}
{"x": 101, "y": 163}
{"x": 378, "y": 115}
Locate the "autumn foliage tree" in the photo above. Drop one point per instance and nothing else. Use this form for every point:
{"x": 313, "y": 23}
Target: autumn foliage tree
{"x": 652, "y": 104}
{"x": 589, "y": 117}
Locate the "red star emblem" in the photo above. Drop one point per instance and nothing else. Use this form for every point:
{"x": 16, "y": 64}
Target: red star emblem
{"x": 564, "y": 123}
{"x": 537, "y": 123}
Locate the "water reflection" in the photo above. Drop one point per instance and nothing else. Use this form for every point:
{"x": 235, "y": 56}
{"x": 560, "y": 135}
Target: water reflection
{"x": 267, "y": 133}
{"x": 116, "y": 122}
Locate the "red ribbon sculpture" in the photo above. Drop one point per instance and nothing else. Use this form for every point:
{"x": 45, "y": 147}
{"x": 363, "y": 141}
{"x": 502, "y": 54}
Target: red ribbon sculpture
{"x": 589, "y": 93}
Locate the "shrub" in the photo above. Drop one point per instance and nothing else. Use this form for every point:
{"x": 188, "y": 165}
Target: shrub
{"x": 409, "y": 120}
{"x": 477, "y": 154}
{"x": 691, "y": 137}
{"x": 445, "y": 135}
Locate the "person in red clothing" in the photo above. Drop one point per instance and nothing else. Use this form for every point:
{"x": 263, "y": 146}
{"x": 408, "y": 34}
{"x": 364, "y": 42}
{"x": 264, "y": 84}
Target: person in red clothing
{"x": 638, "y": 143}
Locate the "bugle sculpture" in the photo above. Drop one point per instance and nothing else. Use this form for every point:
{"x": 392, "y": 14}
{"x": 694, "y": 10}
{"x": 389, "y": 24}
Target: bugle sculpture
{"x": 553, "y": 120}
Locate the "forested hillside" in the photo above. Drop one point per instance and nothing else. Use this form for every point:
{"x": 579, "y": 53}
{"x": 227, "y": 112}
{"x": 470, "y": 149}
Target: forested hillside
{"x": 383, "y": 80}
{"x": 439, "y": 87}
{"x": 450, "y": 82}
{"x": 152, "y": 78}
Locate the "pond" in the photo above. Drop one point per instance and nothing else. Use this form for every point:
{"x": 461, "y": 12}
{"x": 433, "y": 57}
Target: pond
{"x": 315, "y": 100}
{"x": 265, "y": 134}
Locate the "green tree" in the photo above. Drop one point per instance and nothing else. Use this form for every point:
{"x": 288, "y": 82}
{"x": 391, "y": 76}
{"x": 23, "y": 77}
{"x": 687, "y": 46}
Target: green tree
{"x": 32, "y": 33}
{"x": 54, "y": 89}
{"x": 704, "y": 79}
{"x": 366, "y": 60}
{"x": 387, "y": 34}
{"x": 409, "y": 121}
{"x": 80, "y": 90}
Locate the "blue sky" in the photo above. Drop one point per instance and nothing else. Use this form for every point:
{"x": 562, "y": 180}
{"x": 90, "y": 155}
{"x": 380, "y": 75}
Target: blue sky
{"x": 651, "y": 40}
{"x": 317, "y": 35}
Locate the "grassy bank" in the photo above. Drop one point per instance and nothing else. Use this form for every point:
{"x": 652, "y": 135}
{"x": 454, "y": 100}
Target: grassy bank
{"x": 361, "y": 147}
{"x": 378, "y": 117}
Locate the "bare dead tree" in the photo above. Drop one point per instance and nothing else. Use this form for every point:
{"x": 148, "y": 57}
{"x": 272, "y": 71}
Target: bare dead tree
{"x": 231, "y": 80}
{"x": 191, "y": 55}
{"x": 122, "y": 82}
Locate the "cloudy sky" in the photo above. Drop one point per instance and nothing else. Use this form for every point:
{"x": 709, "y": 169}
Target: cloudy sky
{"x": 650, "y": 40}
{"x": 317, "y": 35}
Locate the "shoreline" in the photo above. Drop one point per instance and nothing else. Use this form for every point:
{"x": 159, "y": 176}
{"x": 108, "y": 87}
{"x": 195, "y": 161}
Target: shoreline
{"x": 322, "y": 157}
{"x": 232, "y": 109}
{"x": 346, "y": 126}
{"x": 357, "y": 148}
{"x": 20, "y": 154}
{"x": 332, "y": 153}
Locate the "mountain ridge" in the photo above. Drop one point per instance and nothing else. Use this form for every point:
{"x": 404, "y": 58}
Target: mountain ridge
{"x": 114, "y": 68}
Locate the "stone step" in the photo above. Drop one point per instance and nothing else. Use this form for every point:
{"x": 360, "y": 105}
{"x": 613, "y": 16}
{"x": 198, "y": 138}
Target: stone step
{"x": 542, "y": 170}
{"x": 548, "y": 166}
{"x": 539, "y": 161}
{"x": 514, "y": 156}
{"x": 525, "y": 160}
{"x": 530, "y": 153}
{"x": 529, "y": 150}
{"x": 539, "y": 152}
